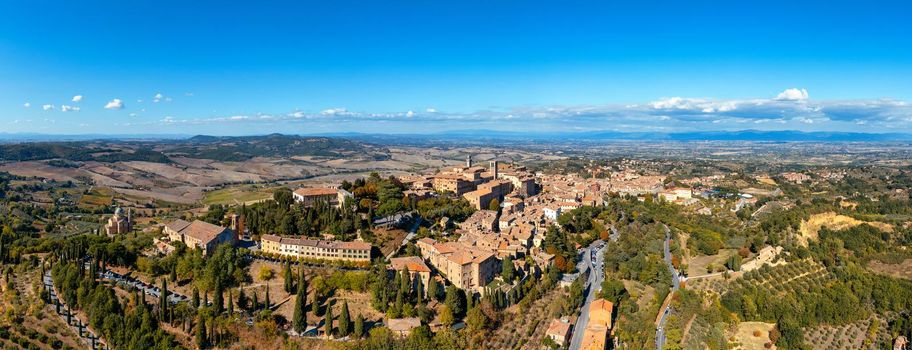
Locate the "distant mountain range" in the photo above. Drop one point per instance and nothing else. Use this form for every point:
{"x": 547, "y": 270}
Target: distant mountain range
{"x": 603, "y": 136}
{"x": 495, "y": 135}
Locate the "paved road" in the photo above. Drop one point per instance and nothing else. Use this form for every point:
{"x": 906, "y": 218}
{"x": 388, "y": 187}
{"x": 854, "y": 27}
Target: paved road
{"x": 675, "y": 283}
{"x": 411, "y": 235}
{"x": 593, "y": 285}
{"x": 149, "y": 289}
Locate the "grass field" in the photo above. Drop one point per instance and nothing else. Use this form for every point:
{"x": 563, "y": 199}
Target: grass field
{"x": 236, "y": 195}
{"x": 697, "y": 265}
{"x": 98, "y": 196}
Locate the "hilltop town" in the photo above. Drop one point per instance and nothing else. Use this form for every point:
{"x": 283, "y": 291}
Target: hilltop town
{"x": 473, "y": 249}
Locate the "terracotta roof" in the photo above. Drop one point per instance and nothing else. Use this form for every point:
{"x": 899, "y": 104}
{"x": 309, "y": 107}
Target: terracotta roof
{"x": 413, "y": 263}
{"x": 177, "y": 225}
{"x": 403, "y": 324}
{"x": 600, "y": 313}
{"x": 203, "y": 231}
{"x": 558, "y": 328}
{"x": 316, "y": 191}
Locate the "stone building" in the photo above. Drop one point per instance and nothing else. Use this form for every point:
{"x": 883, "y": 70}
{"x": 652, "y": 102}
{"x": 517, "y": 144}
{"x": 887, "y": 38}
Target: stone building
{"x": 119, "y": 223}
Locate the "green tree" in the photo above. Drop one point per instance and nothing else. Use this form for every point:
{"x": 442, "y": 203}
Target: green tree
{"x": 734, "y": 262}
{"x": 219, "y": 299}
{"x": 344, "y": 320}
{"x": 359, "y": 327}
{"x": 432, "y": 290}
{"x": 613, "y": 291}
{"x": 446, "y": 316}
{"x": 266, "y": 274}
{"x": 299, "y": 319}
{"x": 328, "y": 321}
{"x": 289, "y": 280}
{"x": 242, "y": 299}
{"x": 230, "y": 303}
{"x": 201, "y": 340}
{"x": 476, "y": 320}
{"x": 507, "y": 270}
{"x": 455, "y": 300}
{"x": 195, "y": 298}
{"x": 494, "y": 204}
{"x": 419, "y": 289}
{"x": 163, "y": 301}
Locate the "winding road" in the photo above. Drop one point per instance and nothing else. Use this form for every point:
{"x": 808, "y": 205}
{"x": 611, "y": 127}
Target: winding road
{"x": 593, "y": 285}
{"x": 675, "y": 283}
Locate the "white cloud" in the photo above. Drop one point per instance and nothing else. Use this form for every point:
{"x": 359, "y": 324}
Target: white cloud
{"x": 188, "y": 94}
{"x": 335, "y": 112}
{"x": 139, "y": 101}
{"x": 47, "y": 107}
{"x": 26, "y": 105}
{"x": 298, "y": 114}
{"x": 159, "y": 97}
{"x": 792, "y": 94}
{"x": 702, "y": 105}
{"x": 410, "y": 114}
{"x": 115, "y": 104}
{"x": 65, "y": 108}
{"x": 77, "y": 98}
{"x": 431, "y": 110}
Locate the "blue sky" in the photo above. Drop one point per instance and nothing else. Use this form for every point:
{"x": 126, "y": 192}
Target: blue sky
{"x": 425, "y": 66}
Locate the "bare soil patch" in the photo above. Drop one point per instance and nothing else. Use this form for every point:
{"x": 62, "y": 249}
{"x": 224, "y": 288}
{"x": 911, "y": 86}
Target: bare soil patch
{"x": 901, "y": 270}
{"x": 753, "y": 335}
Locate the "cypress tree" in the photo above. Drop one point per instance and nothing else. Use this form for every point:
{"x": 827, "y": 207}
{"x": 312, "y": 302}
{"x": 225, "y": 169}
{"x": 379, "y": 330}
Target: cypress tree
{"x": 328, "y": 319}
{"x": 405, "y": 282}
{"x": 419, "y": 289}
{"x": 266, "y": 299}
{"x": 359, "y": 327}
{"x": 230, "y": 303}
{"x": 163, "y": 301}
{"x": 315, "y": 305}
{"x": 219, "y": 299}
{"x": 289, "y": 282}
{"x": 201, "y": 340}
{"x": 195, "y": 299}
{"x": 242, "y": 299}
{"x": 344, "y": 320}
{"x": 432, "y": 289}
{"x": 299, "y": 319}
{"x": 255, "y": 301}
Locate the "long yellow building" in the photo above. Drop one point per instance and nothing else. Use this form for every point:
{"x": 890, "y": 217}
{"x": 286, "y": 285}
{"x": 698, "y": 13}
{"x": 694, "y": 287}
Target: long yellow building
{"x": 316, "y": 249}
